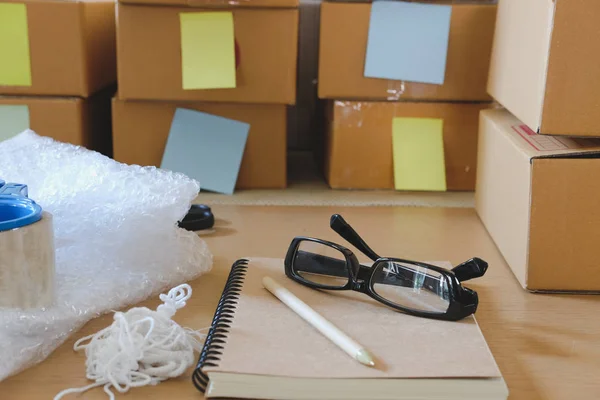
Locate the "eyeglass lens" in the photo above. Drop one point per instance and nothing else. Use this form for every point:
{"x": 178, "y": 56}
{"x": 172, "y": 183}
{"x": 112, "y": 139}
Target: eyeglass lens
{"x": 412, "y": 286}
{"x": 321, "y": 264}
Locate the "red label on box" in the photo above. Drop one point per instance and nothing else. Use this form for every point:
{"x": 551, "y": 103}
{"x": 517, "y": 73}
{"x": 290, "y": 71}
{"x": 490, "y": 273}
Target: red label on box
{"x": 539, "y": 142}
{"x": 552, "y": 143}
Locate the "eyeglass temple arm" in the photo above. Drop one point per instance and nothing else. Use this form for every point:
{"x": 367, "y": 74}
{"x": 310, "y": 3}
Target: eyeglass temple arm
{"x": 344, "y": 229}
{"x": 473, "y": 268}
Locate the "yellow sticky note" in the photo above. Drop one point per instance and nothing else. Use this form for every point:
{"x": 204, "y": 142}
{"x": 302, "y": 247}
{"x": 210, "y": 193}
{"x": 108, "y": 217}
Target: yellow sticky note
{"x": 207, "y": 50}
{"x": 418, "y": 146}
{"x": 15, "y": 64}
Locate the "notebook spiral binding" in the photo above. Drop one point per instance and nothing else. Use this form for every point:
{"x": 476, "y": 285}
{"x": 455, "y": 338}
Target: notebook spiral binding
{"x": 219, "y": 328}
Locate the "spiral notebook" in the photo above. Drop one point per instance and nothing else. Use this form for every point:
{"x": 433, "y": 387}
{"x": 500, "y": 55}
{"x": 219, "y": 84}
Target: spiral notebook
{"x": 260, "y": 349}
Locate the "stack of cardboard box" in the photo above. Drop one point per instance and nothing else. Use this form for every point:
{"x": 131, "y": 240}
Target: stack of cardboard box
{"x": 152, "y": 85}
{"x": 58, "y": 70}
{"x": 537, "y": 187}
{"x": 358, "y": 143}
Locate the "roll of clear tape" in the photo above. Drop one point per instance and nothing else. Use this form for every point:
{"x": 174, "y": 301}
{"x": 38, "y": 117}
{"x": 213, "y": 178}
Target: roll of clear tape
{"x": 27, "y": 265}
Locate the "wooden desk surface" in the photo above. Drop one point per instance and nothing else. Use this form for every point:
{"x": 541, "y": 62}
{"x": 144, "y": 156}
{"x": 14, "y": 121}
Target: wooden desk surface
{"x": 547, "y": 346}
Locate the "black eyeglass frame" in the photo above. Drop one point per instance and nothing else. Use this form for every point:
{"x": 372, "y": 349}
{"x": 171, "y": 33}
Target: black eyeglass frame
{"x": 462, "y": 301}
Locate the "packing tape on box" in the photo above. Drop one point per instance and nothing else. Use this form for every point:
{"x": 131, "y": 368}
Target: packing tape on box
{"x": 27, "y": 256}
{"x": 395, "y": 90}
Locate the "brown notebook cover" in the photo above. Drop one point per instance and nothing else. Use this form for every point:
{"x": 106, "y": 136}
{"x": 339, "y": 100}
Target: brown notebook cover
{"x": 254, "y": 333}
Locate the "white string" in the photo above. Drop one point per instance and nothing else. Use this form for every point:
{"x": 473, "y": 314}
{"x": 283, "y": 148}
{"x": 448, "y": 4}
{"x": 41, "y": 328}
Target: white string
{"x": 141, "y": 347}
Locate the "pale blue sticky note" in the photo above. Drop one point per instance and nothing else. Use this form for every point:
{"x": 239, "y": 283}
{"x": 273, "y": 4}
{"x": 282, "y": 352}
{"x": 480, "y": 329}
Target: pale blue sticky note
{"x": 14, "y": 119}
{"x": 207, "y": 148}
{"x": 408, "y": 41}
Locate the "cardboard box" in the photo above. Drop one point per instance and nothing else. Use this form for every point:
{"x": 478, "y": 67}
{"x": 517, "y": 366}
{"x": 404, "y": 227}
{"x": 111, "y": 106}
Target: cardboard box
{"x": 545, "y": 65}
{"x": 538, "y": 199}
{"x": 343, "y": 46}
{"x": 150, "y": 66}
{"x": 82, "y": 122}
{"x": 358, "y": 144}
{"x": 220, "y": 3}
{"x": 72, "y": 48}
{"x": 141, "y": 129}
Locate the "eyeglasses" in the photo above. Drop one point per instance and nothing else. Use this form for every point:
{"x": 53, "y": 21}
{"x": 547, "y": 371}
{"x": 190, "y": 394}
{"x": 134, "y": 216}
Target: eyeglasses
{"x": 413, "y": 287}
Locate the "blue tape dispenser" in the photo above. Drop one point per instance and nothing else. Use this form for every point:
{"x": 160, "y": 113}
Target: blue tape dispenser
{"x": 27, "y": 264}
{"x": 16, "y": 208}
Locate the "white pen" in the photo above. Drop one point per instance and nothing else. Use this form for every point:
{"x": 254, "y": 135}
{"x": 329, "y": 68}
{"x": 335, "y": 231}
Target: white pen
{"x": 333, "y": 333}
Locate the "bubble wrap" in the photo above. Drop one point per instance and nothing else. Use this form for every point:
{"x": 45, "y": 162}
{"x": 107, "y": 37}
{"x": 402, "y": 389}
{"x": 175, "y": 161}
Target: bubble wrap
{"x": 116, "y": 237}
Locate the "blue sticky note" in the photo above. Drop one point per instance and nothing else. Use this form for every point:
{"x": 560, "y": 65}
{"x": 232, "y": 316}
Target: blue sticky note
{"x": 408, "y": 41}
{"x": 207, "y": 148}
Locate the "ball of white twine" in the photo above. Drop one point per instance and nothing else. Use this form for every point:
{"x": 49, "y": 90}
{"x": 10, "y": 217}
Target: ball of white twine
{"x": 141, "y": 347}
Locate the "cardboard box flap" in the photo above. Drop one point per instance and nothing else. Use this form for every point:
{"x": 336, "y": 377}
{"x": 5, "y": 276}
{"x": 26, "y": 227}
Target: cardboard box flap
{"x": 221, "y": 3}
{"x": 519, "y": 62}
{"x": 534, "y": 145}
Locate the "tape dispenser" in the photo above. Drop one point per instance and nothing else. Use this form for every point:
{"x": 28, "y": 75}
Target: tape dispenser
{"x": 27, "y": 254}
